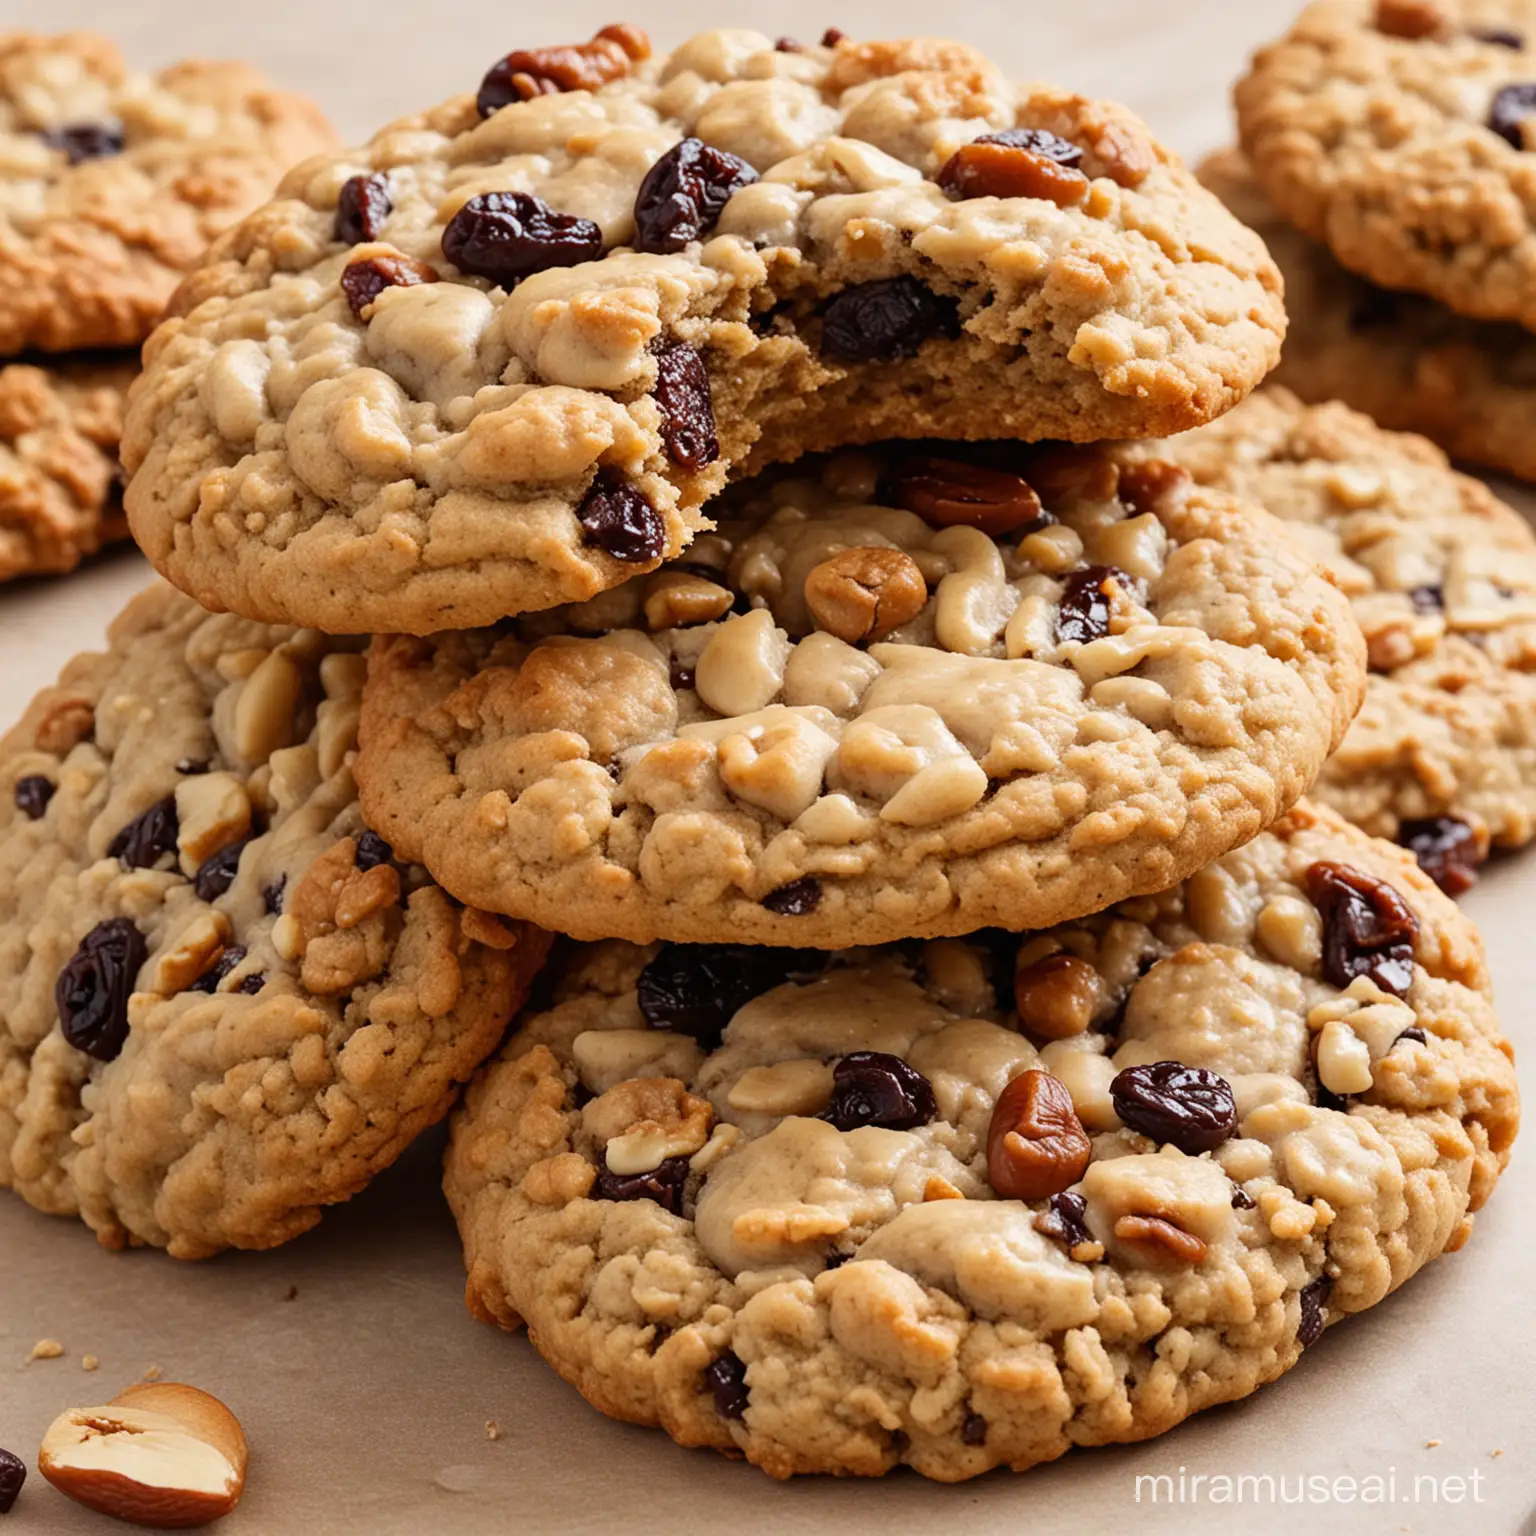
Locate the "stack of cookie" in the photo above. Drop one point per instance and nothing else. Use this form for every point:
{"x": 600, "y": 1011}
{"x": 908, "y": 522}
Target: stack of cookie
{"x": 962, "y": 1040}
{"x": 113, "y": 184}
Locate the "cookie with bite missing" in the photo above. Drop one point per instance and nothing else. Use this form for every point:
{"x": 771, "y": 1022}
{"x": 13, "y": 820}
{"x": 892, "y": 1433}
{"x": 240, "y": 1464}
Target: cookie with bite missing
{"x": 498, "y": 358}
{"x": 224, "y": 1003}
{"x": 969, "y": 1203}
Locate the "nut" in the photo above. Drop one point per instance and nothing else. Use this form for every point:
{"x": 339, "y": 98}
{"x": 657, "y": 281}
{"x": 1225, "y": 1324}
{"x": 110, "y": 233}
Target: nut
{"x": 264, "y": 712}
{"x": 212, "y": 811}
{"x": 1156, "y": 1232}
{"x": 1343, "y": 1059}
{"x": 950, "y": 492}
{"x": 1145, "y": 486}
{"x": 799, "y": 1087}
{"x": 863, "y": 594}
{"x": 609, "y": 55}
{"x": 1036, "y": 1145}
{"x": 741, "y": 669}
{"x": 675, "y": 599}
{"x": 641, "y": 1123}
{"x": 162, "y": 1454}
{"x": 1057, "y": 996}
{"x": 1411, "y": 19}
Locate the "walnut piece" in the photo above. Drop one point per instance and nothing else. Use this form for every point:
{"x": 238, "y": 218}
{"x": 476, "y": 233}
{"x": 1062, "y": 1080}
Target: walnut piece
{"x": 863, "y": 594}
{"x": 1036, "y": 1145}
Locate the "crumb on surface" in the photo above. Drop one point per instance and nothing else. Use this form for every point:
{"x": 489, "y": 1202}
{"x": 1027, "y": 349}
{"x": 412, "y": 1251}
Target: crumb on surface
{"x": 46, "y": 1349}
{"x": 492, "y": 1430}
{"x": 89, "y": 1362}
{"x": 154, "y": 1373}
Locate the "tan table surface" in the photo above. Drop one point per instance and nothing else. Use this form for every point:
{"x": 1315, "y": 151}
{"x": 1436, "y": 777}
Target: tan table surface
{"x": 366, "y": 1396}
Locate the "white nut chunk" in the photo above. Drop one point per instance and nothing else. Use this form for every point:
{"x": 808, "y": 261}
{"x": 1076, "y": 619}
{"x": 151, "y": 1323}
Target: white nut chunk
{"x": 741, "y": 669}
{"x": 905, "y": 755}
{"x": 802, "y": 1086}
{"x": 213, "y": 810}
{"x": 159, "y": 1454}
{"x": 777, "y": 763}
{"x": 606, "y": 1057}
{"x": 1343, "y": 1059}
{"x": 640, "y": 1123}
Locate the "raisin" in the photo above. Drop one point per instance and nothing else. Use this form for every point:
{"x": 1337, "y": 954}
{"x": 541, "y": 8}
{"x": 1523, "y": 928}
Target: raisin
{"x": 726, "y": 1377}
{"x": 1500, "y": 37}
{"x": 795, "y": 899}
{"x": 363, "y": 281}
{"x": 1446, "y": 849}
{"x": 529, "y": 72}
{"x": 372, "y": 850}
{"x": 1242, "y": 1200}
{"x": 506, "y": 236}
{"x": 832, "y": 37}
{"x": 13, "y": 1473}
{"x": 86, "y": 141}
{"x": 148, "y": 837}
{"x": 211, "y": 978}
{"x": 1511, "y": 106}
{"x": 1314, "y": 1298}
{"x": 1368, "y": 929}
{"x": 663, "y": 1184}
{"x": 33, "y": 794}
{"x": 684, "y": 193}
{"x": 1428, "y": 599}
{"x": 1413, "y": 1032}
{"x": 873, "y": 1088}
{"x": 1018, "y": 162}
{"x": 687, "y": 412}
{"x": 697, "y": 989}
{"x": 217, "y": 873}
{"x": 191, "y": 767}
{"x": 92, "y": 991}
{"x": 272, "y": 895}
{"x": 886, "y": 319}
{"x": 1144, "y": 487}
{"x": 973, "y": 1429}
{"x": 789, "y": 45}
{"x": 1065, "y": 1220}
{"x": 945, "y": 491}
{"x": 1086, "y": 604}
{"x": 619, "y": 519}
{"x": 362, "y": 208}
{"x": 1186, "y": 1107}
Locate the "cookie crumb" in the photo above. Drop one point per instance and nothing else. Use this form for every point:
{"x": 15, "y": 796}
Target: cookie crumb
{"x": 154, "y": 1373}
{"x": 293, "y": 1293}
{"x": 89, "y": 1362}
{"x": 492, "y": 1430}
{"x": 46, "y": 1349}
{"x": 1429, "y": 1445}
{"x": 1494, "y": 1455}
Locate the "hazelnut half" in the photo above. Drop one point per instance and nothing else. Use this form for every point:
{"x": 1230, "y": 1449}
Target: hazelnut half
{"x": 1036, "y": 1145}
{"x": 161, "y": 1454}
{"x": 1057, "y": 996}
{"x": 863, "y": 594}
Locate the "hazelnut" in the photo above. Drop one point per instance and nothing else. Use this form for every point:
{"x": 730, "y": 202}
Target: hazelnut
{"x": 1157, "y": 1232}
{"x": 1036, "y": 1145}
{"x": 863, "y": 594}
{"x": 1057, "y": 996}
{"x": 675, "y": 599}
{"x": 160, "y": 1454}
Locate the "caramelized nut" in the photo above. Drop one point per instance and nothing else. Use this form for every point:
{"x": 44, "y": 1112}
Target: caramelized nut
{"x": 1411, "y": 19}
{"x": 529, "y": 72}
{"x": 983, "y": 169}
{"x": 1144, "y": 486}
{"x": 676, "y": 599}
{"x": 1157, "y": 1232}
{"x": 863, "y": 594}
{"x": 1036, "y": 1145}
{"x": 946, "y": 492}
{"x": 1057, "y": 997}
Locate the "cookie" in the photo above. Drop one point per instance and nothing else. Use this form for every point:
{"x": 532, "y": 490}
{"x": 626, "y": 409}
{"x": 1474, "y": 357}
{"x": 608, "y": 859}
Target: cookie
{"x": 1401, "y": 134}
{"x": 1442, "y": 577}
{"x": 224, "y": 1004}
{"x": 60, "y": 491}
{"x": 497, "y": 359}
{"x": 969, "y": 1203}
{"x": 910, "y": 695}
{"x": 114, "y": 182}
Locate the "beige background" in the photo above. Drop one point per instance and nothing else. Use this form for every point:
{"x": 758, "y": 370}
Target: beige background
{"x": 366, "y": 1396}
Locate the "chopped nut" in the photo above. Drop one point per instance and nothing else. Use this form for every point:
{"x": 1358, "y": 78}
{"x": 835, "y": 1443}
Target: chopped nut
{"x": 1157, "y": 1233}
{"x": 741, "y": 669}
{"x": 939, "y": 1188}
{"x": 488, "y": 929}
{"x": 1057, "y": 997}
{"x": 800, "y": 1087}
{"x": 213, "y": 810}
{"x": 641, "y": 1123}
{"x": 676, "y": 599}
{"x": 863, "y": 594}
{"x": 1343, "y": 1059}
{"x": 264, "y": 712}
{"x": 1036, "y": 1145}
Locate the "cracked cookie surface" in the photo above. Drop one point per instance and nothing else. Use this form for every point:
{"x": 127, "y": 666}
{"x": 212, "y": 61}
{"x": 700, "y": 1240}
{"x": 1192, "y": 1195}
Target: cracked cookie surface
{"x": 1401, "y": 133}
{"x": 223, "y": 1003}
{"x": 490, "y": 363}
{"x": 60, "y": 491}
{"x": 1442, "y": 578}
{"x": 114, "y": 181}
{"x": 1403, "y": 359}
{"x": 854, "y": 715}
{"x": 757, "y": 1197}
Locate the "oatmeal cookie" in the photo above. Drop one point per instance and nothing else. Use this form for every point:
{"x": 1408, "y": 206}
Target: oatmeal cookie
{"x": 970, "y": 1203}
{"x": 497, "y": 358}
{"x": 1442, "y": 577}
{"x": 1402, "y": 134}
{"x": 906, "y": 695}
{"x": 224, "y": 1004}
{"x": 114, "y": 182}
{"x": 60, "y": 490}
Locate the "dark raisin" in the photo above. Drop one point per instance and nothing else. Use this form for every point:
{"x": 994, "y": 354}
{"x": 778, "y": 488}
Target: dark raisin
{"x": 682, "y": 678}
{"x": 1375, "y": 308}
{"x": 873, "y": 1088}
{"x": 1326, "y": 1098}
{"x": 1446, "y": 849}
{"x": 888, "y": 318}
{"x": 1186, "y": 1107}
{"x": 33, "y": 794}
{"x": 1065, "y": 1220}
{"x": 1242, "y": 1200}
{"x": 663, "y": 1184}
{"x": 362, "y": 208}
{"x": 973, "y": 1428}
{"x": 506, "y": 236}
{"x": 1086, "y": 604}
{"x": 529, "y": 72}
{"x": 1428, "y": 599}
{"x": 619, "y": 519}
{"x": 217, "y": 873}
{"x": 211, "y": 978}
{"x": 832, "y": 37}
{"x": 1413, "y": 1032}
{"x": 252, "y": 984}
{"x": 1314, "y": 1298}
{"x": 1511, "y": 106}
{"x": 191, "y": 767}
{"x": 726, "y": 1377}
{"x": 13, "y": 1473}
{"x": 697, "y": 989}
{"x": 372, "y": 850}
{"x": 1368, "y": 929}
{"x": 86, "y": 141}
{"x": 92, "y": 991}
{"x": 363, "y": 281}
{"x": 789, "y": 45}
{"x": 148, "y": 837}
{"x": 836, "y": 1259}
{"x": 1018, "y": 162}
{"x": 795, "y": 899}
{"x": 684, "y": 193}
{"x": 1038, "y": 142}
{"x": 272, "y": 895}
{"x": 1500, "y": 37}
{"x": 687, "y": 412}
